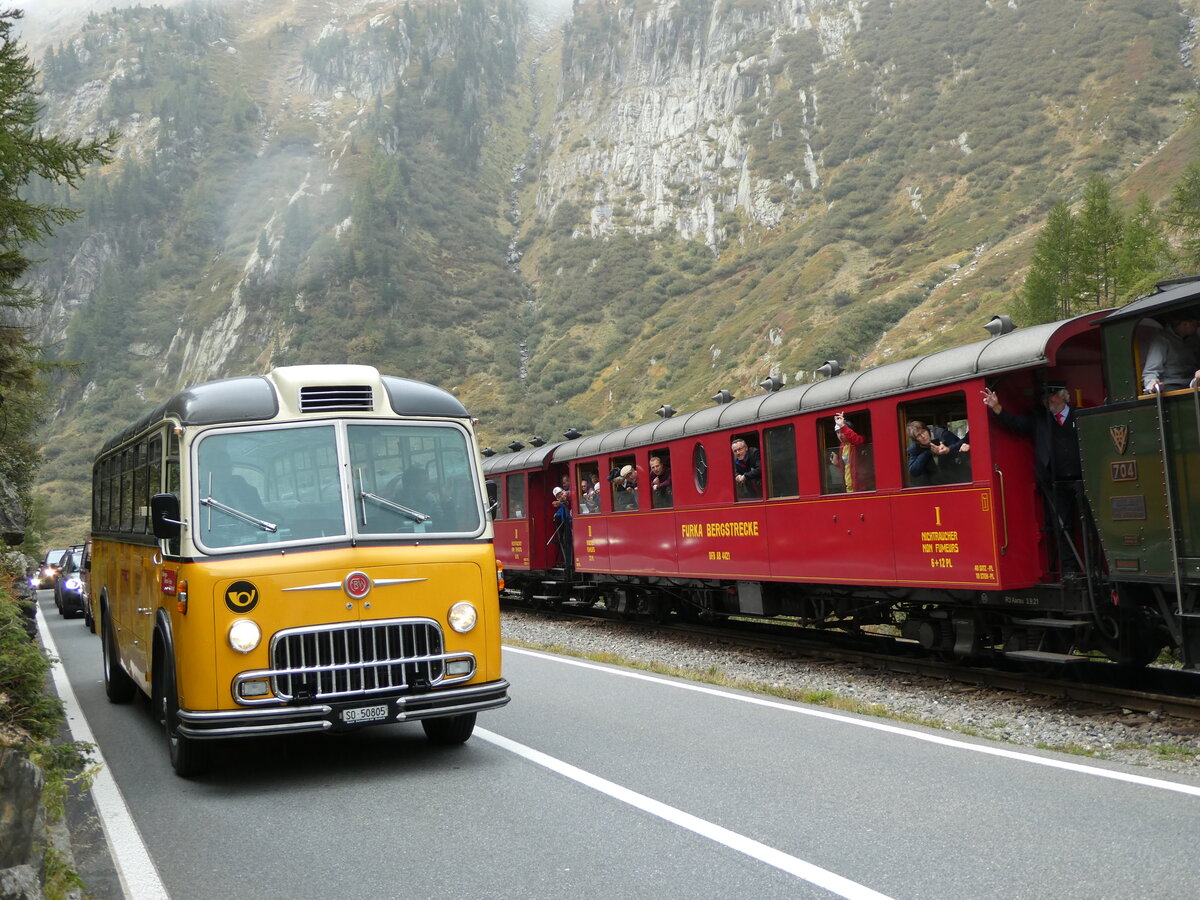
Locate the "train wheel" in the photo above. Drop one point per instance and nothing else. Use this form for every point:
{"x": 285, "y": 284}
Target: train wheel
{"x": 1130, "y": 641}
{"x": 118, "y": 686}
{"x": 450, "y": 729}
{"x": 660, "y": 608}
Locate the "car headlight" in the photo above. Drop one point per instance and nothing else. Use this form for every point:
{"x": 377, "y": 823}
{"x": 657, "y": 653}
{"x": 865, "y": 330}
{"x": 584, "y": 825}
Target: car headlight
{"x": 462, "y": 617}
{"x": 74, "y": 584}
{"x": 244, "y": 635}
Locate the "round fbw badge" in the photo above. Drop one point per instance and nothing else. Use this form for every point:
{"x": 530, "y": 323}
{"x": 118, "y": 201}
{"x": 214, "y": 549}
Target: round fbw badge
{"x": 241, "y": 596}
{"x": 357, "y": 585}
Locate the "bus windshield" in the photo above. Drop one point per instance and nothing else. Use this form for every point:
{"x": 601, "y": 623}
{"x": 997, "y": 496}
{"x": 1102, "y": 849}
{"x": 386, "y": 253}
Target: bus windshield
{"x": 331, "y": 481}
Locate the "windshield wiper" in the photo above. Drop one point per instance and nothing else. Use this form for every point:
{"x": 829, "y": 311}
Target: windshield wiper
{"x": 418, "y": 517}
{"x": 261, "y": 524}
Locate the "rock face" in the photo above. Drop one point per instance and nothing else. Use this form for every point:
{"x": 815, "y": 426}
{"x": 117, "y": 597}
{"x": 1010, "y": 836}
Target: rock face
{"x": 656, "y": 117}
{"x": 12, "y": 515}
{"x": 22, "y": 826}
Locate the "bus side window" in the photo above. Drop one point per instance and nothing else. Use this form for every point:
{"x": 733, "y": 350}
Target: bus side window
{"x": 493, "y": 494}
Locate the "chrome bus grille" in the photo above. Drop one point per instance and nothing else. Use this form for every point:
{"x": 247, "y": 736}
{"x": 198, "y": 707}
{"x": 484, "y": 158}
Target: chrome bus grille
{"x": 329, "y": 662}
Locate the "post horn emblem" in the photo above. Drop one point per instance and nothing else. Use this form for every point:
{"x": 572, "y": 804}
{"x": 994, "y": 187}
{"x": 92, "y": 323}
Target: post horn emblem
{"x": 1120, "y": 437}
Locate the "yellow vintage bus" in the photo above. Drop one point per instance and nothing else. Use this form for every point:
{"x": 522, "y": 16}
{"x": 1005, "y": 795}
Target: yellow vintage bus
{"x": 306, "y": 550}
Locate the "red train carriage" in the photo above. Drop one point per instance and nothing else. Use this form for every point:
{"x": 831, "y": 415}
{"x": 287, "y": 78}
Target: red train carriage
{"x": 520, "y": 486}
{"x": 834, "y": 522}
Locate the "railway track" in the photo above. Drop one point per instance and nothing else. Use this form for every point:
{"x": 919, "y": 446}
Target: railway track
{"x": 1162, "y": 691}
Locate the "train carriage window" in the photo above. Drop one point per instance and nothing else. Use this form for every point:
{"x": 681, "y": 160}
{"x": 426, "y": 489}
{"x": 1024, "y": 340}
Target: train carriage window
{"x": 623, "y": 480}
{"x": 515, "y": 496}
{"x": 780, "y": 443}
{"x": 700, "y": 467}
{"x": 847, "y": 452}
{"x": 937, "y": 442}
{"x": 747, "y": 467}
{"x": 661, "y": 492}
{"x": 587, "y": 490}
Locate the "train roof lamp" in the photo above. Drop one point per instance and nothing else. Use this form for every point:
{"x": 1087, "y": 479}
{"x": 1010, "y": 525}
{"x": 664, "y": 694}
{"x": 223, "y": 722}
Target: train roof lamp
{"x": 722, "y": 396}
{"x": 487, "y": 451}
{"x": 537, "y": 441}
{"x": 830, "y": 369}
{"x": 771, "y": 384}
{"x": 515, "y": 446}
{"x": 571, "y": 433}
{"x": 666, "y": 411}
{"x": 999, "y": 325}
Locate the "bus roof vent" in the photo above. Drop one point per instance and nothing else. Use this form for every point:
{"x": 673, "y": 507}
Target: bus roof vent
{"x": 333, "y": 398}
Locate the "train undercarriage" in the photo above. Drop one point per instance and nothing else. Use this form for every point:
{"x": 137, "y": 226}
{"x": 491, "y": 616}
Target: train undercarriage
{"x": 1047, "y": 625}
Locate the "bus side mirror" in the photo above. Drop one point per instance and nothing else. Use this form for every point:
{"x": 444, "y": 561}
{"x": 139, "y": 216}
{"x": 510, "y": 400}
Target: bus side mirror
{"x": 164, "y": 516}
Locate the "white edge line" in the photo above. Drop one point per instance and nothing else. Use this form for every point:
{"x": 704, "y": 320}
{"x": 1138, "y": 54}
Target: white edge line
{"x": 1001, "y": 752}
{"x": 813, "y": 874}
{"x": 135, "y": 868}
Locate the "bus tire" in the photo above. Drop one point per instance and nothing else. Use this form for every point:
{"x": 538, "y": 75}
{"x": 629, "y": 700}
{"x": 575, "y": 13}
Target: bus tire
{"x": 449, "y": 729}
{"x": 188, "y": 756}
{"x": 118, "y": 686}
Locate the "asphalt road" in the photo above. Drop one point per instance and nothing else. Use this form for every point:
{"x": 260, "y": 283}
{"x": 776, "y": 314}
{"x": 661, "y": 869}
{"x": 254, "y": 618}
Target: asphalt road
{"x": 603, "y": 782}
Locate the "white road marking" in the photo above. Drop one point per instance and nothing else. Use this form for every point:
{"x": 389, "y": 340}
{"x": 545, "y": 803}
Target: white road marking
{"x": 985, "y": 749}
{"x": 823, "y": 878}
{"x": 136, "y": 869}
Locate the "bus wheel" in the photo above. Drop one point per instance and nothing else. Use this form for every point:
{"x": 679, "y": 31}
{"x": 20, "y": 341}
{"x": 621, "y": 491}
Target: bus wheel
{"x": 449, "y": 729}
{"x": 118, "y": 686}
{"x": 188, "y": 757}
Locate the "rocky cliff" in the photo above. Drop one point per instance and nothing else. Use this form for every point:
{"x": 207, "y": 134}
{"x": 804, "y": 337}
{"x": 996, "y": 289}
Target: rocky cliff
{"x": 655, "y": 116}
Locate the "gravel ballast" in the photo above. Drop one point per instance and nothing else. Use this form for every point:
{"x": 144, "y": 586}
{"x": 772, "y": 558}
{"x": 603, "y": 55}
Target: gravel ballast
{"x": 1139, "y": 739}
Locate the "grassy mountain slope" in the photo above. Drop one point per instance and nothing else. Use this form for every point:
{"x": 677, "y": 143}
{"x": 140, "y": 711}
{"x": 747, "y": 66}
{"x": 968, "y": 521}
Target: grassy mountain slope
{"x": 417, "y": 186}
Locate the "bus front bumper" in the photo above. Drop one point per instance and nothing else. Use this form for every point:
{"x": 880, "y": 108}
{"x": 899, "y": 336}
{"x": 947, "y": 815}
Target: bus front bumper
{"x": 342, "y": 716}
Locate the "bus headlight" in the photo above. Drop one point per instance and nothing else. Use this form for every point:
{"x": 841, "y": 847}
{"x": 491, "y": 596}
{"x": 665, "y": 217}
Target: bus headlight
{"x": 244, "y": 635}
{"x": 462, "y": 617}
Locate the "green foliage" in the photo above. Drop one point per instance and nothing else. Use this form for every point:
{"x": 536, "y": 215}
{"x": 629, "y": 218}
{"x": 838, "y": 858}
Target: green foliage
{"x": 1144, "y": 256}
{"x": 1046, "y": 294}
{"x": 1098, "y": 238}
{"x": 1183, "y": 214}
{"x": 26, "y": 155}
{"x": 857, "y": 331}
{"x": 1098, "y": 257}
{"x": 26, "y": 708}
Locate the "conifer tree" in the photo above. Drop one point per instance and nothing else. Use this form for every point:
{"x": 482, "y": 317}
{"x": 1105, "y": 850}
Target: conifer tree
{"x": 1047, "y": 292}
{"x": 25, "y": 154}
{"x": 1097, "y": 239}
{"x": 1183, "y": 214}
{"x": 1144, "y": 256}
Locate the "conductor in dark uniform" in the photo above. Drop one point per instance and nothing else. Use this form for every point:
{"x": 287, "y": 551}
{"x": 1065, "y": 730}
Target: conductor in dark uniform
{"x": 1056, "y": 455}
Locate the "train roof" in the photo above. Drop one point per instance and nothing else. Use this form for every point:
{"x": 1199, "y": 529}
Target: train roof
{"x": 533, "y": 458}
{"x": 255, "y": 398}
{"x": 1168, "y": 296}
{"x": 1022, "y": 348}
